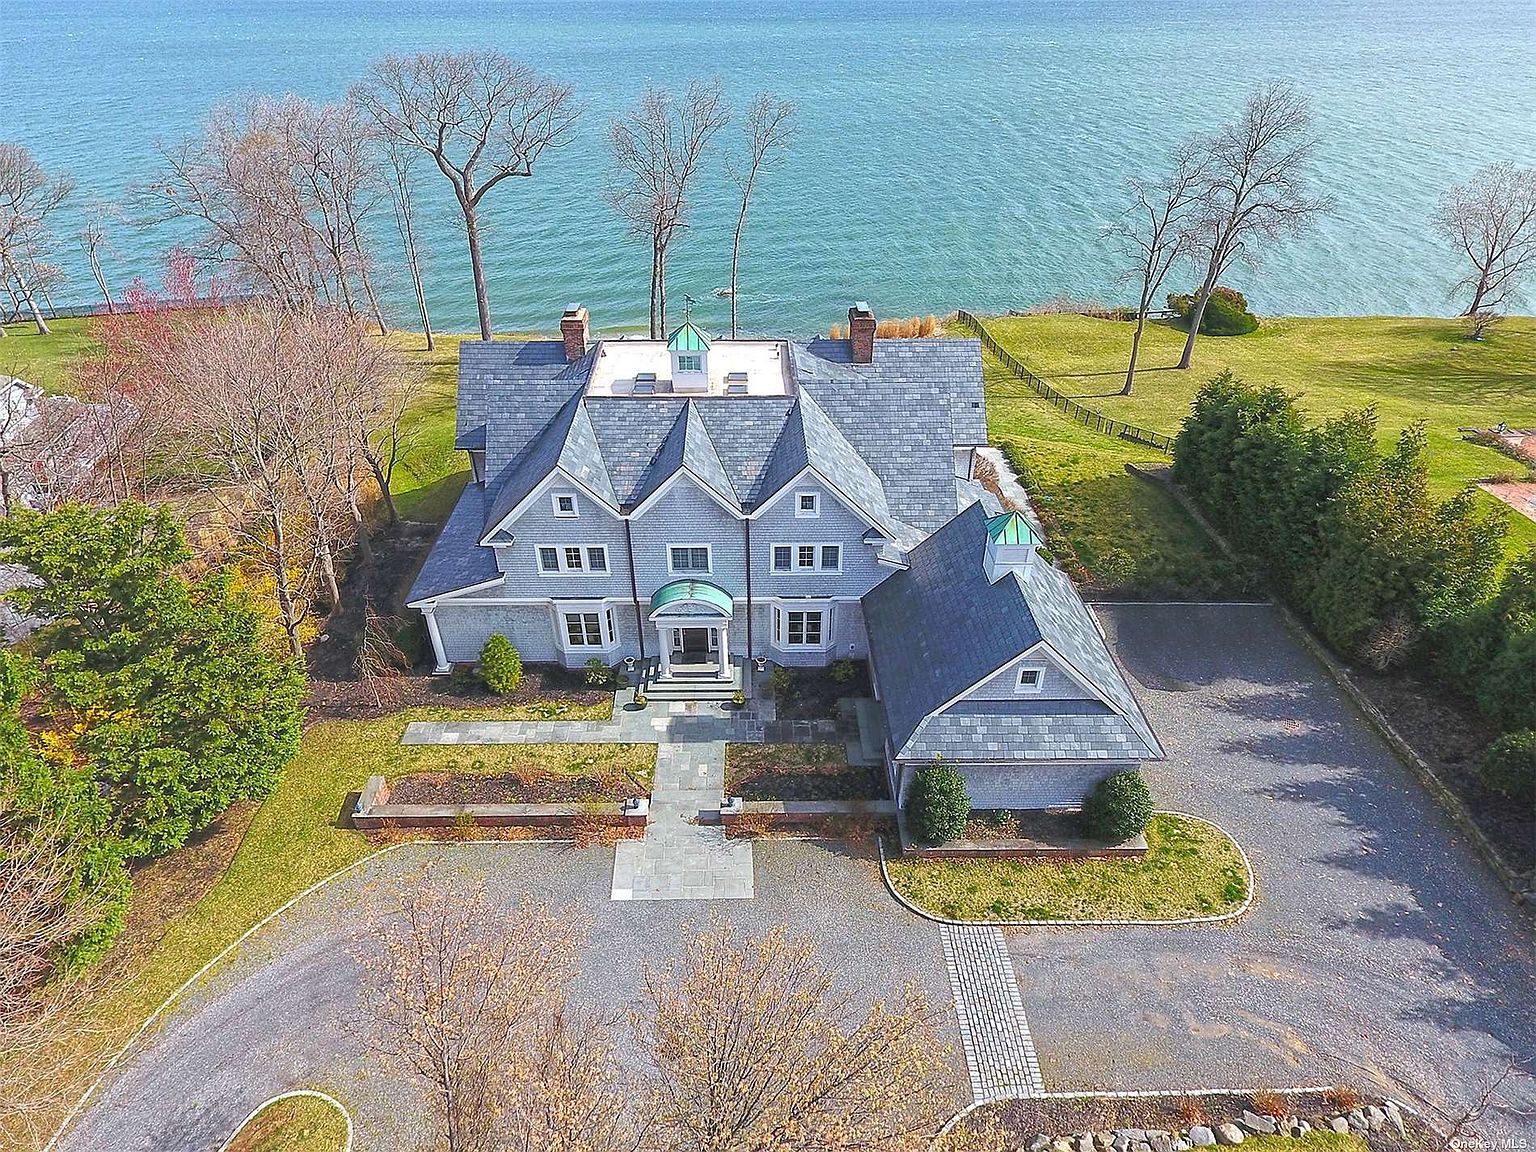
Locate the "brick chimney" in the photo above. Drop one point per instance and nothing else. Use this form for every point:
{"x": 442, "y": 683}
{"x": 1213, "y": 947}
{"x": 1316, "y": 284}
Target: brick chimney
{"x": 861, "y": 333}
{"x": 573, "y": 330}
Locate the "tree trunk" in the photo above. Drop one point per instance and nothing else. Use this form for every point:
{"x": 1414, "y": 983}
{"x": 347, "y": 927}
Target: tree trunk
{"x": 1130, "y": 371}
{"x": 661, "y": 291}
{"x": 381, "y": 478}
{"x": 101, "y": 282}
{"x": 1477, "y": 297}
{"x": 327, "y": 562}
{"x": 655, "y": 278}
{"x": 482, "y": 301}
{"x": 1196, "y": 315}
{"x": 373, "y": 301}
{"x": 741, "y": 221}
{"x": 26, "y": 297}
{"x": 285, "y": 602}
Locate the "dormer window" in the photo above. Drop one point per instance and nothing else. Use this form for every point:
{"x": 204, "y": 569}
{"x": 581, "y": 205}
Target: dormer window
{"x": 689, "y": 348}
{"x": 690, "y": 362}
{"x": 807, "y": 505}
{"x": 564, "y": 504}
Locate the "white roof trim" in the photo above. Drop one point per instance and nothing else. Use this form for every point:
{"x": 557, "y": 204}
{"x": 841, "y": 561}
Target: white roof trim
{"x": 431, "y": 601}
{"x": 842, "y": 498}
{"x": 667, "y": 485}
{"x": 540, "y": 489}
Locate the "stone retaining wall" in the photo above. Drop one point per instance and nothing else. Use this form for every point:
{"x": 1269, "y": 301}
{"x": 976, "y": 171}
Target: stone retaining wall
{"x": 374, "y": 811}
{"x": 801, "y": 813}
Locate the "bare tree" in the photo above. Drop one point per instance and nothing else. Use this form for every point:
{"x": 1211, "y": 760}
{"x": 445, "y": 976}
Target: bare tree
{"x": 658, "y": 149}
{"x": 755, "y": 1050}
{"x": 1491, "y": 220}
{"x": 1156, "y": 232}
{"x": 404, "y": 204}
{"x": 28, "y": 197}
{"x": 469, "y": 999}
{"x": 768, "y": 134}
{"x": 92, "y": 237}
{"x": 281, "y": 189}
{"x": 1254, "y": 189}
{"x": 473, "y": 113}
{"x": 50, "y": 1034}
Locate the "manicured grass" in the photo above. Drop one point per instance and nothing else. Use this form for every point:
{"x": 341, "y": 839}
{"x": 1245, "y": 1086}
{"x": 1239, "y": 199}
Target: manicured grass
{"x": 295, "y": 1124}
{"x": 1129, "y": 534}
{"x": 46, "y": 361}
{"x": 1407, "y": 368}
{"x": 1190, "y": 869}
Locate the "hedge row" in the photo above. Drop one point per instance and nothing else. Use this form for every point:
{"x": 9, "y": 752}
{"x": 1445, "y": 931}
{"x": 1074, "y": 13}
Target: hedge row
{"x": 1354, "y": 541}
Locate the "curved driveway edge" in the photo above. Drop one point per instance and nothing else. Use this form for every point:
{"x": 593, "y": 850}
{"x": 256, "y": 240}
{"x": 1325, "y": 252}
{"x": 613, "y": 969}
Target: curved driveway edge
{"x": 265, "y": 1104}
{"x": 1183, "y": 922}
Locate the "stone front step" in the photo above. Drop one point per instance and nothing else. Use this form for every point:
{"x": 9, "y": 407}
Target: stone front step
{"x": 688, "y": 686}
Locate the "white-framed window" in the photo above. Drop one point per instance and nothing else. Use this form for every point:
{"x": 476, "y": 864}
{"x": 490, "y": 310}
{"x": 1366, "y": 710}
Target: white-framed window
{"x": 690, "y": 362}
{"x": 807, "y": 505}
{"x": 800, "y": 627}
{"x": 689, "y": 558}
{"x": 807, "y": 558}
{"x": 588, "y": 627}
{"x": 563, "y": 504}
{"x": 1030, "y": 678}
{"x": 572, "y": 558}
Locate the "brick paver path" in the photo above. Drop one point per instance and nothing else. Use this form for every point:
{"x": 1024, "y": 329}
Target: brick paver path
{"x": 998, "y": 1048}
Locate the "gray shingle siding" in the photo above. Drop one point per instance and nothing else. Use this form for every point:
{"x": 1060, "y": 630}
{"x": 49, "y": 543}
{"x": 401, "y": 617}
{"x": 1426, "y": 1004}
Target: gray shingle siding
{"x": 1055, "y": 685}
{"x": 836, "y": 524}
{"x": 538, "y": 526}
{"x": 686, "y": 515}
{"x": 466, "y": 625}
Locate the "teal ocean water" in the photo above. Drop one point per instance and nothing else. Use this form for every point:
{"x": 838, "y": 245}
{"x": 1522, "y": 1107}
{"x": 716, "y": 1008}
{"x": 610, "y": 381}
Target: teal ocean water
{"x": 948, "y": 154}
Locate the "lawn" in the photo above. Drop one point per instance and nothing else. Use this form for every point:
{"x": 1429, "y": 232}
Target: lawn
{"x": 1407, "y": 368}
{"x": 1191, "y": 869}
{"x": 294, "y": 840}
{"x": 294, "y": 1124}
{"x": 45, "y": 360}
{"x": 1129, "y": 536}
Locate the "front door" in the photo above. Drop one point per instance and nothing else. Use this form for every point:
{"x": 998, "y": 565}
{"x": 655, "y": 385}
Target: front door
{"x": 695, "y": 641}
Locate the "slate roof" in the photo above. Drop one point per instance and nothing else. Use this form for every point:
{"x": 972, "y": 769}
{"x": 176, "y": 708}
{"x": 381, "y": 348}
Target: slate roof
{"x": 939, "y": 627}
{"x": 457, "y": 560}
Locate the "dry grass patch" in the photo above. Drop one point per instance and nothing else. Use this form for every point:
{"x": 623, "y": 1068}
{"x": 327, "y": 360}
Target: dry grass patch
{"x": 294, "y": 1124}
{"x": 522, "y": 773}
{"x": 798, "y": 772}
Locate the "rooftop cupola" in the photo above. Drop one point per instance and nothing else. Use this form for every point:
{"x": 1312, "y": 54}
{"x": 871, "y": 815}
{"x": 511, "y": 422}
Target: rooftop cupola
{"x": 1011, "y": 544}
{"x": 689, "y": 349}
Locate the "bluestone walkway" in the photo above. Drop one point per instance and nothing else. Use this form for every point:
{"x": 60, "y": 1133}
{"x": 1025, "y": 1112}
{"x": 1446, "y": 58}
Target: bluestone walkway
{"x": 679, "y": 858}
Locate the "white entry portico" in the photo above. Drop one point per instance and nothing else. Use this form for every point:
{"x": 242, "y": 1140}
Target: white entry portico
{"x": 693, "y": 619}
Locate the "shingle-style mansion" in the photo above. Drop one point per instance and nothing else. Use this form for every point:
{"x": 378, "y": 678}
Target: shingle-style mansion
{"x": 697, "y": 503}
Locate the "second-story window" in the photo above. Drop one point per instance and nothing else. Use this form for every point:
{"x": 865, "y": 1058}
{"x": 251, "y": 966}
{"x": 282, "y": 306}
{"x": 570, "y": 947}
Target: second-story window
{"x": 783, "y": 557}
{"x": 549, "y": 560}
{"x": 807, "y": 558}
{"x": 692, "y": 558}
{"x": 597, "y": 559}
{"x": 572, "y": 558}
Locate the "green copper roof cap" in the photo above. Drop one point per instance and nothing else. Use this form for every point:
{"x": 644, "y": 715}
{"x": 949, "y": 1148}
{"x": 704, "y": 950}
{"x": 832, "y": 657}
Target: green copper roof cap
{"x": 699, "y": 591}
{"x": 688, "y": 339}
{"x": 1011, "y": 528}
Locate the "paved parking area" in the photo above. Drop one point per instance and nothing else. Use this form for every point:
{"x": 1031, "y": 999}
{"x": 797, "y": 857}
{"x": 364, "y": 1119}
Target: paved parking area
{"x": 1379, "y": 939}
{"x": 282, "y": 1013}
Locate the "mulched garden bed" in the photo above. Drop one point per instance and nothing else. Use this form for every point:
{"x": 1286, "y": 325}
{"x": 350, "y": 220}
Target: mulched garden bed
{"x": 1448, "y": 732}
{"x": 813, "y": 693}
{"x": 1024, "y": 824}
{"x": 510, "y": 788}
{"x": 547, "y": 692}
{"x": 799, "y": 772}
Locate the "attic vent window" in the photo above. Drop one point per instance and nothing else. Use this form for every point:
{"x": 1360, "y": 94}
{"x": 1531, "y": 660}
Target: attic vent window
{"x": 1031, "y": 679}
{"x": 564, "y": 504}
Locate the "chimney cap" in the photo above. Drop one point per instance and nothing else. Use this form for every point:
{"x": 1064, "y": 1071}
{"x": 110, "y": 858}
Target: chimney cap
{"x": 861, "y": 306}
{"x": 573, "y": 307}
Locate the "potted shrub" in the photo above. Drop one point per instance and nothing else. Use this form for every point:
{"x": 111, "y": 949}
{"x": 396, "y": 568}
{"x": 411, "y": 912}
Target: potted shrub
{"x": 1118, "y": 808}
{"x": 739, "y": 699}
{"x": 640, "y": 700}
{"x": 939, "y": 805}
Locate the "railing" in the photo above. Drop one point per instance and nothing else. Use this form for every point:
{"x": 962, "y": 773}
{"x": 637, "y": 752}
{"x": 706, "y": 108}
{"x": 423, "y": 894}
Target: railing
{"x": 1081, "y": 413}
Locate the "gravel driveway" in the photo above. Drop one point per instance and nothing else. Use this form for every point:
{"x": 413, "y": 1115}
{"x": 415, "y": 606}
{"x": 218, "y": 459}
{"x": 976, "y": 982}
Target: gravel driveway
{"x": 1379, "y": 939}
{"x": 280, "y": 1014}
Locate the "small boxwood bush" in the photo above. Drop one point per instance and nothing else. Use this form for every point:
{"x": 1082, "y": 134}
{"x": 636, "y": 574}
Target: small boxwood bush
{"x": 939, "y": 804}
{"x": 1118, "y": 808}
{"x": 598, "y": 674}
{"x": 1510, "y": 765}
{"x": 501, "y": 668}
{"x": 1226, "y": 312}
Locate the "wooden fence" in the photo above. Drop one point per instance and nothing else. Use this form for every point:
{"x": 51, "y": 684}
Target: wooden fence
{"x": 1081, "y": 413}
